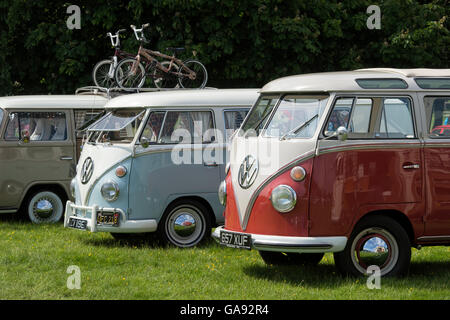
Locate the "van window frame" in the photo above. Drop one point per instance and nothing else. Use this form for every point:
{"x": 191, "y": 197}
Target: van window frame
{"x": 68, "y": 120}
{"x": 367, "y": 95}
{"x": 227, "y": 109}
{"x": 176, "y": 109}
{"x": 428, "y": 122}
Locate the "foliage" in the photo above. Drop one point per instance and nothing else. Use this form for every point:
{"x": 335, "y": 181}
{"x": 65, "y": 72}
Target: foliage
{"x": 241, "y": 42}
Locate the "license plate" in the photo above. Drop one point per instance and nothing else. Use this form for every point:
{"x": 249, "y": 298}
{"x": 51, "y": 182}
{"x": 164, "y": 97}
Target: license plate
{"x": 108, "y": 218}
{"x": 236, "y": 240}
{"x": 77, "y": 223}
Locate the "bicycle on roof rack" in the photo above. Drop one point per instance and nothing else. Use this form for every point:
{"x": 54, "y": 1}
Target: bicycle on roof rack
{"x": 170, "y": 73}
{"x": 103, "y": 72}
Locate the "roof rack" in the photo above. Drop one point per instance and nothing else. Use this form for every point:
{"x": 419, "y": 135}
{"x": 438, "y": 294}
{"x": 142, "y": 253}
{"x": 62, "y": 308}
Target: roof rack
{"x": 116, "y": 91}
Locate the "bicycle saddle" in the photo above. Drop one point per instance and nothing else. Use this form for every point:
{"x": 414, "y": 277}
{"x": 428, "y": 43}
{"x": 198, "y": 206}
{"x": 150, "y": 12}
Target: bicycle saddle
{"x": 175, "y": 49}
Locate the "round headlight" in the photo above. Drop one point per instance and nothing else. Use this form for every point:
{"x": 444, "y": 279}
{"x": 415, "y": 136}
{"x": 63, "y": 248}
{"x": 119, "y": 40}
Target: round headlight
{"x": 121, "y": 171}
{"x": 283, "y": 198}
{"x": 110, "y": 191}
{"x": 298, "y": 173}
{"x": 223, "y": 193}
{"x": 72, "y": 187}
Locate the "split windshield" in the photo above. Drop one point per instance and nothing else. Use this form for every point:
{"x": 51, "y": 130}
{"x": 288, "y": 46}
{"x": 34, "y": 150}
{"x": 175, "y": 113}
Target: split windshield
{"x": 292, "y": 116}
{"x": 117, "y": 126}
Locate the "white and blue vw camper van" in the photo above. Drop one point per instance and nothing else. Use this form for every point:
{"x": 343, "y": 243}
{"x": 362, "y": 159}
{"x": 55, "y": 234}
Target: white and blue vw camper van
{"x": 154, "y": 162}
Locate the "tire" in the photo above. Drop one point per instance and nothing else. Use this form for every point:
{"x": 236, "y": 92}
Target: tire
{"x": 201, "y": 75}
{"x": 44, "y": 206}
{"x": 377, "y": 240}
{"x": 125, "y": 79}
{"x": 100, "y": 74}
{"x": 185, "y": 224}
{"x": 165, "y": 81}
{"x": 290, "y": 258}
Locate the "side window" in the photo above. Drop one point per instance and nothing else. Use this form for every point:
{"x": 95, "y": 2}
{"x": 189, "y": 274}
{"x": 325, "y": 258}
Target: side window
{"x": 353, "y": 114}
{"x": 1, "y": 115}
{"x": 437, "y": 110}
{"x": 153, "y": 127}
{"x": 38, "y": 126}
{"x": 396, "y": 119}
{"x": 233, "y": 121}
{"x": 187, "y": 127}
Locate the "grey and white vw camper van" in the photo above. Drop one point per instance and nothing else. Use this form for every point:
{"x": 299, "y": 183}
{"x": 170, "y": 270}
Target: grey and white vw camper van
{"x": 153, "y": 163}
{"x": 39, "y": 148}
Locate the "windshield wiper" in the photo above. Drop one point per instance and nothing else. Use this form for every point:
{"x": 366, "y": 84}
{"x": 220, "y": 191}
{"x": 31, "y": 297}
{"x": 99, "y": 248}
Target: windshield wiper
{"x": 298, "y": 128}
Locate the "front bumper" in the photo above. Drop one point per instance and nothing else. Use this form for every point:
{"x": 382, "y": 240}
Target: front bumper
{"x": 125, "y": 226}
{"x": 290, "y": 244}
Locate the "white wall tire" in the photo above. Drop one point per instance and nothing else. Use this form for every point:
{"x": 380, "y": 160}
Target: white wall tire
{"x": 45, "y": 207}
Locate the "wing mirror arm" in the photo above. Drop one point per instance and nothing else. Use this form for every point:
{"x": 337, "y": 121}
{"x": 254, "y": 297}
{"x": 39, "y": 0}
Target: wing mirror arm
{"x": 341, "y": 133}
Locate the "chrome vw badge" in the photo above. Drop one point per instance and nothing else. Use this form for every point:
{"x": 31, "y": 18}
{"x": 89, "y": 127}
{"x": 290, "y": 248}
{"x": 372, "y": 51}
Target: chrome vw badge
{"x": 86, "y": 170}
{"x": 248, "y": 172}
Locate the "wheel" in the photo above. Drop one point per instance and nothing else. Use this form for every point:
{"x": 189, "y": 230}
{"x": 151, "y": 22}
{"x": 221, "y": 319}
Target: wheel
{"x": 101, "y": 74}
{"x": 379, "y": 241}
{"x": 44, "y": 206}
{"x": 126, "y": 78}
{"x": 290, "y": 258}
{"x": 164, "y": 80}
{"x": 201, "y": 75}
{"x": 185, "y": 224}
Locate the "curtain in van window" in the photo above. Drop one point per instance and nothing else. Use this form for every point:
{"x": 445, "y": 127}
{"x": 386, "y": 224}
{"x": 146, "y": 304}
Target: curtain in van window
{"x": 233, "y": 121}
{"x": 202, "y": 125}
{"x": 177, "y": 128}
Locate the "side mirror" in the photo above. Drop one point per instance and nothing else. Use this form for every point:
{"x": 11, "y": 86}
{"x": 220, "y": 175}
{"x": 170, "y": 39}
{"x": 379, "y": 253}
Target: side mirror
{"x": 342, "y": 133}
{"x": 144, "y": 142}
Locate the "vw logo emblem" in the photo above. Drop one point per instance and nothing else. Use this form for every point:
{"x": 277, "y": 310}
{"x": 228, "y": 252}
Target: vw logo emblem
{"x": 248, "y": 172}
{"x": 86, "y": 170}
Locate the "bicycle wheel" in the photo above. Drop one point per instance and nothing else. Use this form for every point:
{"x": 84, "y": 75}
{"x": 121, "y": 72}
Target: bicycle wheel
{"x": 126, "y": 78}
{"x": 101, "y": 74}
{"x": 163, "y": 79}
{"x": 201, "y": 75}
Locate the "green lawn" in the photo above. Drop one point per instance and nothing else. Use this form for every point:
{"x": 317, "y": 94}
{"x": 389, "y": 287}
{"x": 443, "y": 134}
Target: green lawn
{"x": 34, "y": 261}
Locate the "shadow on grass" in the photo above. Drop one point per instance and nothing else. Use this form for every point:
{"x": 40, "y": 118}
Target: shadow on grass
{"x": 422, "y": 275}
{"x": 144, "y": 240}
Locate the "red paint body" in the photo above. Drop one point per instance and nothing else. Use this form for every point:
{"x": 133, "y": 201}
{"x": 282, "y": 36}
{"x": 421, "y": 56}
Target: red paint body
{"x": 345, "y": 184}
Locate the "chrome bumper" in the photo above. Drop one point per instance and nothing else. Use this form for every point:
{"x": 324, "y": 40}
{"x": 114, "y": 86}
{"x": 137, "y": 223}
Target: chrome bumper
{"x": 125, "y": 226}
{"x": 290, "y": 244}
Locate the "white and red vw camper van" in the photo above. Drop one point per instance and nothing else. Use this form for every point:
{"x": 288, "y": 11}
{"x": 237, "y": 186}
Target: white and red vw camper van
{"x": 342, "y": 162}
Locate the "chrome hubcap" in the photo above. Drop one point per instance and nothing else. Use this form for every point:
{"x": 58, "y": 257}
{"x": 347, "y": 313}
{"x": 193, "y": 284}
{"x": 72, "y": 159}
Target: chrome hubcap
{"x": 43, "y": 208}
{"x": 185, "y": 226}
{"x": 375, "y": 247}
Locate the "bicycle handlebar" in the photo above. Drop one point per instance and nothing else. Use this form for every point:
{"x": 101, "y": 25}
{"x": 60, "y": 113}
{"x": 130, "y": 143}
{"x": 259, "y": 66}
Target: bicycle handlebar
{"x": 139, "y": 33}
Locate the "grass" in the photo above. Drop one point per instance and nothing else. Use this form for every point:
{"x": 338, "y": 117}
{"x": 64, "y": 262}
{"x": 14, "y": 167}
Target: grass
{"x": 34, "y": 260}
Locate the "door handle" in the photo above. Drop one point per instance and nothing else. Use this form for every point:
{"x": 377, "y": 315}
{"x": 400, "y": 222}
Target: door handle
{"x": 66, "y": 158}
{"x": 411, "y": 166}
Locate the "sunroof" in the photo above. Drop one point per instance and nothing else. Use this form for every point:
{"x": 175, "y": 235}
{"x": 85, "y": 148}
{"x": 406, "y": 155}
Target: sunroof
{"x": 391, "y": 83}
{"x": 433, "y": 83}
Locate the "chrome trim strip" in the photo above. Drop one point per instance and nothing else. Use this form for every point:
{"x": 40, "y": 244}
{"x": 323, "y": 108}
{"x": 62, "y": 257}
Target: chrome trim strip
{"x": 394, "y": 145}
{"x": 290, "y": 165}
{"x": 434, "y": 238}
{"x": 289, "y": 243}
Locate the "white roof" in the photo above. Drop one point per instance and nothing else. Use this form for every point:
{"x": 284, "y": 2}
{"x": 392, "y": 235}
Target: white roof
{"x": 345, "y": 80}
{"x": 187, "y": 98}
{"x": 53, "y": 101}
